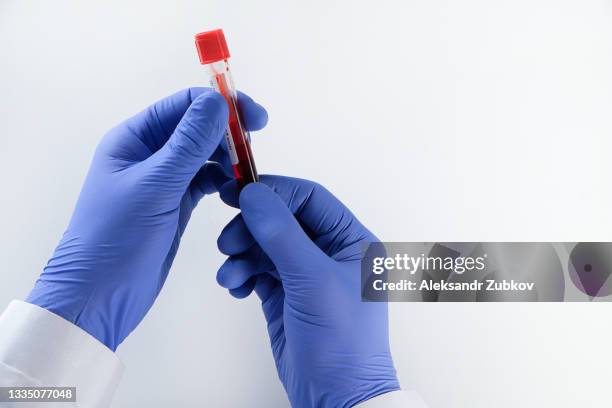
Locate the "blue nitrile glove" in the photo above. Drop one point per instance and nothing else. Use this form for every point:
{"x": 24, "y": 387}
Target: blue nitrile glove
{"x": 300, "y": 249}
{"x": 146, "y": 177}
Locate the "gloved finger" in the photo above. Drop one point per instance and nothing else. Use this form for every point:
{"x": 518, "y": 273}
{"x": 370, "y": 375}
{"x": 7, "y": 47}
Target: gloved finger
{"x": 237, "y": 269}
{"x": 263, "y": 283}
{"x": 193, "y": 141}
{"x": 235, "y": 237}
{"x": 313, "y": 205}
{"x": 278, "y": 233}
{"x": 230, "y": 194}
{"x": 207, "y": 181}
{"x": 151, "y": 128}
{"x": 254, "y": 115}
{"x": 264, "y": 286}
{"x": 244, "y": 290}
{"x": 222, "y": 157}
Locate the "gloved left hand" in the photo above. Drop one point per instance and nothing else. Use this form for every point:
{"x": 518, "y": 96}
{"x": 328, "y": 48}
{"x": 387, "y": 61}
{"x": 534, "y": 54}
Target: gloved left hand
{"x": 146, "y": 177}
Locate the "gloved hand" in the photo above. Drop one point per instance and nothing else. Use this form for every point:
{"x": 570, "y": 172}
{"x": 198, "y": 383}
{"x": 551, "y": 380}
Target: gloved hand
{"x": 300, "y": 249}
{"x": 146, "y": 177}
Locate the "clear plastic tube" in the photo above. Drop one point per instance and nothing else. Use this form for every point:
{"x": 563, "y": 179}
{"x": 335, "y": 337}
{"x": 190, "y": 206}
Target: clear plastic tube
{"x": 214, "y": 55}
{"x": 236, "y": 136}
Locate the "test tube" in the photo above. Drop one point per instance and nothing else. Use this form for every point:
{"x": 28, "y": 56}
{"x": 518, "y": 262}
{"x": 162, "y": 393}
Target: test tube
{"x": 214, "y": 55}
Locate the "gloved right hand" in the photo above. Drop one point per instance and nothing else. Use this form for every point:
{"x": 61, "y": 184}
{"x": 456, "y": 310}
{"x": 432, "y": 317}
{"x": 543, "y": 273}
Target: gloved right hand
{"x": 299, "y": 248}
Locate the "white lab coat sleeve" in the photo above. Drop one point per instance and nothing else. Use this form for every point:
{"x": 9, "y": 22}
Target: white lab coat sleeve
{"x": 394, "y": 399}
{"x": 41, "y": 349}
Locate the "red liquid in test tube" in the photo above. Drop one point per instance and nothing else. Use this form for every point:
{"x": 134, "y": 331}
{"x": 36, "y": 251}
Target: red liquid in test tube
{"x": 214, "y": 55}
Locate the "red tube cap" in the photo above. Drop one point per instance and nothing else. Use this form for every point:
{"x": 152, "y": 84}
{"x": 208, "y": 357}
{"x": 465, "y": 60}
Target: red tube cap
{"x": 211, "y": 46}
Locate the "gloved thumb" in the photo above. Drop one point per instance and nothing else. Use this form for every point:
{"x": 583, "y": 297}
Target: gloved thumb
{"x": 194, "y": 139}
{"x": 296, "y": 257}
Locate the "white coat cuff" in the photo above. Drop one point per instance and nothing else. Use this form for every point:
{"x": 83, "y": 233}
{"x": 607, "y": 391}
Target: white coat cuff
{"x": 40, "y": 348}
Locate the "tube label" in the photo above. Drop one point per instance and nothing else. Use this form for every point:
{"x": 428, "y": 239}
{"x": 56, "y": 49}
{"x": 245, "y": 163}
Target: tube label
{"x": 231, "y": 148}
{"x": 218, "y": 83}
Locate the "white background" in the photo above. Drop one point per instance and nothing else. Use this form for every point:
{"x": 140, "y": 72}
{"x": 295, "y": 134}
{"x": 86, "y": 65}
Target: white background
{"x": 433, "y": 120}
